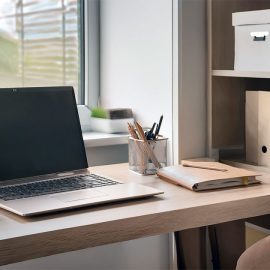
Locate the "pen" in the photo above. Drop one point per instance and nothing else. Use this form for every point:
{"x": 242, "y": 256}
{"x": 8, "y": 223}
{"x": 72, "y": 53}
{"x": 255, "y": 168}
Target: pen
{"x": 152, "y": 128}
{"x": 158, "y": 126}
{"x": 149, "y": 134}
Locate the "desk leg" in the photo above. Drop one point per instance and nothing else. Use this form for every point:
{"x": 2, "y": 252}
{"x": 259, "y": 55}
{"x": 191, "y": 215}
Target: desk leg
{"x": 191, "y": 248}
{"x": 212, "y": 232}
{"x": 179, "y": 251}
{"x": 227, "y": 242}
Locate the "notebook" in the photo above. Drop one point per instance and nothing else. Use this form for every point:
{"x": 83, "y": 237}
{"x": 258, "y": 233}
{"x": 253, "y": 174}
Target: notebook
{"x": 199, "y": 176}
{"x": 43, "y": 161}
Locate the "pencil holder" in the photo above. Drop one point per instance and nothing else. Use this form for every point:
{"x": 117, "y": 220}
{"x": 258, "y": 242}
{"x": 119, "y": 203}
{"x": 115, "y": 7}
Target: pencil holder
{"x": 139, "y": 160}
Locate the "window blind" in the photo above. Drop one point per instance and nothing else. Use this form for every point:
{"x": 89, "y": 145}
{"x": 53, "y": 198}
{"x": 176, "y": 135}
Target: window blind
{"x": 41, "y": 41}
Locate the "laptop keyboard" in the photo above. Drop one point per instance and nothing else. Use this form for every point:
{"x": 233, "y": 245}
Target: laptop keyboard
{"x": 54, "y": 186}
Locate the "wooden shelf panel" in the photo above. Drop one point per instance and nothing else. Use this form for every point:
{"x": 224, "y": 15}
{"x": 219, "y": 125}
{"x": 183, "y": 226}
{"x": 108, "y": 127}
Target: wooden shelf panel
{"x": 241, "y": 74}
{"x": 246, "y": 165}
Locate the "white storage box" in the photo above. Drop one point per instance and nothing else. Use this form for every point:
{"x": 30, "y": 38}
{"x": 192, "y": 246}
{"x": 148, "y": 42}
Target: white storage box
{"x": 110, "y": 125}
{"x": 252, "y": 40}
{"x": 258, "y": 127}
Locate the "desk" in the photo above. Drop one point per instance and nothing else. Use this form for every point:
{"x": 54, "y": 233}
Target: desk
{"x": 178, "y": 209}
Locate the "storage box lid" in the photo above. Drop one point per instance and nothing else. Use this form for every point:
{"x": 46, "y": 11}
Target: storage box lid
{"x": 251, "y": 17}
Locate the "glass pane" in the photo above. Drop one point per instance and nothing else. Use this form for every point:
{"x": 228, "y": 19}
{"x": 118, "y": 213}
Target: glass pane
{"x": 39, "y": 43}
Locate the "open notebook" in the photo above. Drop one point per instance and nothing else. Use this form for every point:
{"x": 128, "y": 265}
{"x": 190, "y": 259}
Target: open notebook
{"x": 207, "y": 175}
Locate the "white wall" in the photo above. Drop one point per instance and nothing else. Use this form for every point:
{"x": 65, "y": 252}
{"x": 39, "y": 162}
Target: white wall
{"x": 122, "y": 256}
{"x": 110, "y": 154}
{"x": 136, "y": 67}
{"x": 136, "y": 58}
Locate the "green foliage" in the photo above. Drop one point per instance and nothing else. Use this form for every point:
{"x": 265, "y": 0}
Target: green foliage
{"x": 8, "y": 54}
{"x": 99, "y": 112}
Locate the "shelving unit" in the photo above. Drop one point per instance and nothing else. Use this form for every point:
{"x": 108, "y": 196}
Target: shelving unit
{"x": 226, "y": 87}
{"x": 226, "y": 91}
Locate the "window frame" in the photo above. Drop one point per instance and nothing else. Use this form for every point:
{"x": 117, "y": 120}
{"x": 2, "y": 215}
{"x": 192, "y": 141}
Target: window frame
{"x": 81, "y": 29}
{"x": 91, "y": 52}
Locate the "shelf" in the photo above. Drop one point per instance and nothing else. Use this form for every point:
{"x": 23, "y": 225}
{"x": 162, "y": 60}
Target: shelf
{"x": 241, "y": 74}
{"x": 245, "y": 165}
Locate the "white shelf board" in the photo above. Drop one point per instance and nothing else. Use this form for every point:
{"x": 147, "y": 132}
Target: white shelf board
{"x": 241, "y": 74}
{"x": 95, "y": 139}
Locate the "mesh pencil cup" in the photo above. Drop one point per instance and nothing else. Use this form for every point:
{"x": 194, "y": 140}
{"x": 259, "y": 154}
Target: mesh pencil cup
{"x": 139, "y": 160}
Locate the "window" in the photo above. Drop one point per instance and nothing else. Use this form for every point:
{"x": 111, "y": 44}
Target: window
{"x": 41, "y": 44}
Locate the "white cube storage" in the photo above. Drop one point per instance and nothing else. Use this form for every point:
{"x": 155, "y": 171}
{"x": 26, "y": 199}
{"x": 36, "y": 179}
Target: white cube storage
{"x": 252, "y": 40}
{"x": 258, "y": 127}
{"x": 110, "y": 125}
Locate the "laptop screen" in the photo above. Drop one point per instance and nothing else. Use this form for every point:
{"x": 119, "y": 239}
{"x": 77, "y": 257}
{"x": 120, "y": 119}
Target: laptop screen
{"x": 40, "y": 132}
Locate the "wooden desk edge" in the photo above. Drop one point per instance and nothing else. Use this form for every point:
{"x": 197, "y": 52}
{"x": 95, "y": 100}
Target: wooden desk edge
{"x": 60, "y": 241}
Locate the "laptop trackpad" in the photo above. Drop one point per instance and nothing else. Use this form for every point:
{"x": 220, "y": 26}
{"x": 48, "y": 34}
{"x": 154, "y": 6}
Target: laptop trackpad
{"x": 78, "y": 195}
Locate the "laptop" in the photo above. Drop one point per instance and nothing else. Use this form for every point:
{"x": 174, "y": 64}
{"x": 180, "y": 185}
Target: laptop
{"x": 43, "y": 164}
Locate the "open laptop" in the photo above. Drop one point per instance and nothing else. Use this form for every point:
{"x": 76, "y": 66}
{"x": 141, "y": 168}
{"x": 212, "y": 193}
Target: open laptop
{"x": 43, "y": 165}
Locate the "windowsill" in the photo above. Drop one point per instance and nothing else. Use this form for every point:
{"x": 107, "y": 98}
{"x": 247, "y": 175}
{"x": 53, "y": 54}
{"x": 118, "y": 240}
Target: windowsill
{"x": 95, "y": 139}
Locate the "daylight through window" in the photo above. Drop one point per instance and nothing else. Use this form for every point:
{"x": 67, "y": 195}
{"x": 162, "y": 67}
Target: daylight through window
{"x": 40, "y": 43}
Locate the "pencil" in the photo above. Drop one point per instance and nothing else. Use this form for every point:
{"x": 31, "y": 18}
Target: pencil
{"x": 204, "y": 167}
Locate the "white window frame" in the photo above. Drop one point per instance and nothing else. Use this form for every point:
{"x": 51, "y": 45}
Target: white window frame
{"x": 92, "y": 52}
